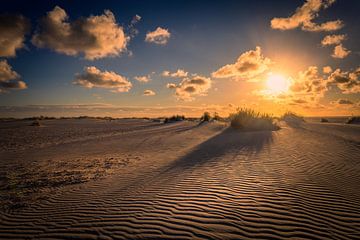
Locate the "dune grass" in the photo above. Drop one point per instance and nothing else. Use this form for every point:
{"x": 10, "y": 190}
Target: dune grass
{"x": 174, "y": 118}
{"x": 206, "y": 117}
{"x": 248, "y": 119}
{"x": 292, "y": 117}
{"x": 353, "y": 120}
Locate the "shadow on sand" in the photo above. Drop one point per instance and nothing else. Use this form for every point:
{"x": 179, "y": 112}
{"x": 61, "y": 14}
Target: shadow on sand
{"x": 228, "y": 141}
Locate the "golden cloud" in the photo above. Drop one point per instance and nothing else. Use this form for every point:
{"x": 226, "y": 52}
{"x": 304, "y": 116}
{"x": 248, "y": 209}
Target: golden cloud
{"x": 149, "y": 92}
{"x": 160, "y": 36}
{"x": 191, "y": 87}
{"x": 96, "y": 36}
{"x": 248, "y": 66}
{"x": 93, "y": 77}
{"x": 180, "y": 73}
{"x": 304, "y": 15}
{"x": 340, "y": 52}
{"x": 9, "y": 79}
{"x": 333, "y": 39}
{"x": 13, "y": 29}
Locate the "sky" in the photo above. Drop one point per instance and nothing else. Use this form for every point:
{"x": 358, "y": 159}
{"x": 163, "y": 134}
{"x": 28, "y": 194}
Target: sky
{"x": 158, "y": 58}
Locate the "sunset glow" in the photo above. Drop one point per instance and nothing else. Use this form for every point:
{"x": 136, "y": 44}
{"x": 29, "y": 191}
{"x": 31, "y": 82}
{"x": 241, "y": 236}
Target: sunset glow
{"x": 277, "y": 84}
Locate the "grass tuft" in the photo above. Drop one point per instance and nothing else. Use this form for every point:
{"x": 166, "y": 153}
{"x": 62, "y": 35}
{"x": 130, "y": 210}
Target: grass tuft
{"x": 248, "y": 119}
{"x": 292, "y": 117}
{"x": 353, "y": 120}
{"x": 174, "y": 118}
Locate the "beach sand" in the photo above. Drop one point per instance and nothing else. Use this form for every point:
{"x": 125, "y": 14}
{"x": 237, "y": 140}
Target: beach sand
{"x": 139, "y": 179}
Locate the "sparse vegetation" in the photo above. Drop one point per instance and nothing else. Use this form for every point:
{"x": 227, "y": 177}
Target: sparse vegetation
{"x": 35, "y": 123}
{"x": 174, "y": 118}
{"x": 248, "y": 119}
{"x": 217, "y": 117}
{"x": 205, "y": 117}
{"x": 324, "y": 120}
{"x": 292, "y": 117}
{"x": 353, "y": 120}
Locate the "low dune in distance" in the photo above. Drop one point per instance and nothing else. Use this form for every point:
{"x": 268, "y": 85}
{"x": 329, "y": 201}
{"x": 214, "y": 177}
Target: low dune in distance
{"x": 143, "y": 179}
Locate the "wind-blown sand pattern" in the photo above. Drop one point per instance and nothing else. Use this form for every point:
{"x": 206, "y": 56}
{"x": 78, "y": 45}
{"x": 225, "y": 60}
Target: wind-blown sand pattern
{"x": 143, "y": 180}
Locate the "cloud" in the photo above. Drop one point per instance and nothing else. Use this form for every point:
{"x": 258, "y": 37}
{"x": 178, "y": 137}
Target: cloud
{"x": 309, "y": 82}
{"x": 303, "y": 17}
{"x": 347, "y": 82}
{"x": 9, "y": 79}
{"x": 149, "y": 92}
{"x": 180, "y": 73}
{"x": 333, "y": 39}
{"x": 96, "y": 36}
{"x": 344, "y": 102}
{"x": 171, "y": 85}
{"x": 249, "y": 65}
{"x": 131, "y": 27}
{"x": 93, "y": 77}
{"x": 340, "y": 52}
{"x": 144, "y": 79}
{"x": 13, "y": 29}
{"x": 191, "y": 87}
{"x": 160, "y": 36}
{"x": 327, "y": 69}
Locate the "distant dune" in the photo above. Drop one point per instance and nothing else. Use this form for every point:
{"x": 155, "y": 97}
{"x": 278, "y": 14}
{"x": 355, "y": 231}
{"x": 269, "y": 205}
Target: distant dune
{"x": 140, "y": 179}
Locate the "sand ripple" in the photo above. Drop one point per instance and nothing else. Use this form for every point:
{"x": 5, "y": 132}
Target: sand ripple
{"x": 293, "y": 183}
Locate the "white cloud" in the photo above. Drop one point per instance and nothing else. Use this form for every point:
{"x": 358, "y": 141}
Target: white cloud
{"x": 180, "y": 73}
{"x": 333, "y": 39}
{"x": 248, "y": 66}
{"x": 159, "y": 36}
{"x": 93, "y": 77}
{"x": 13, "y": 29}
{"x": 149, "y": 92}
{"x": 9, "y": 79}
{"x": 340, "y": 52}
{"x": 189, "y": 88}
{"x": 304, "y": 17}
{"x": 144, "y": 79}
{"x": 96, "y": 36}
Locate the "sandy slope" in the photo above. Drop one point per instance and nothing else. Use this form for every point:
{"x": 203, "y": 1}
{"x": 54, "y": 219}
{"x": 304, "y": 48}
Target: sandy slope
{"x": 182, "y": 181}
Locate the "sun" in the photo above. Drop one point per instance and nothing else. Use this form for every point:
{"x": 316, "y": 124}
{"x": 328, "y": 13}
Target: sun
{"x": 277, "y": 83}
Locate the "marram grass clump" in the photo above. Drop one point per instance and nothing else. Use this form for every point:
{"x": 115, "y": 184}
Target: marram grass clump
{"x": 248, "y": 119}
{"x": 174, "y": 118}
{"x": 292, "y": 117}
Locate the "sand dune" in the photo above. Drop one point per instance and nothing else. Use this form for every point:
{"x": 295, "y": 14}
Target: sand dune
{"x": 183, "y": 181}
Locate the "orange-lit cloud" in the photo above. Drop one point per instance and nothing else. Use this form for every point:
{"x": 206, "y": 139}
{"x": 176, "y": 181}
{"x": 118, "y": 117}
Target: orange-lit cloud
{"x": 9, "y": 79}
{"x": 171, "y": 85}
{"x": 93, "y": 77}
{"x": 191, "y": 87}
{"x": 159, "y": 36}
{"x": 340, "y": 52}
{"x": 248, "y": 66}
{"x": 344, "y": 102}
{"x": 149, "y": 92}
{"x": 143, "y": 79}
{"x": 13, "y": 29}
{"x": 327, "y": 69}
{"x": 347, "y": 82}
{"x": 333, "y": 39}
{"x": 96, "y": 36}
{"x": 180, "y": 73}
{"x": 304, "y": 16}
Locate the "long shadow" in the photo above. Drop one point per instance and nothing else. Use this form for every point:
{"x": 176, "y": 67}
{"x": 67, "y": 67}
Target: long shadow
{"x": 229, "y": 140}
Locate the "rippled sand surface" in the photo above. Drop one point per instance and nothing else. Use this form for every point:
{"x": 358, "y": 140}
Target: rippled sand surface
{"x": 136, "y": 179}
